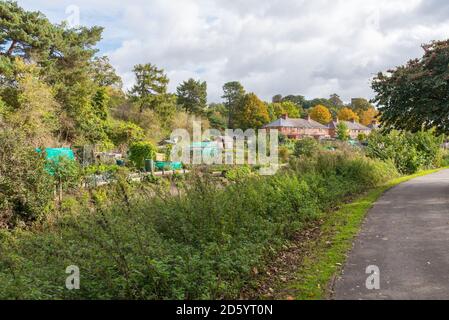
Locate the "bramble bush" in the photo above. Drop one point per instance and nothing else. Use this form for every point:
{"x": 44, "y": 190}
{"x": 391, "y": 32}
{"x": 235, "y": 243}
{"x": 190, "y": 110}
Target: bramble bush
{"x": 410, "y": 152}
{"x": 306, "y": 147}
{"x": 26, "y": 188}
{"x": 203, "y": 243}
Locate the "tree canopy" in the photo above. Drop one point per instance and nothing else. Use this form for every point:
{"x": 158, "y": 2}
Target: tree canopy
{"x": 233, "y": 94}
{"x": 253, "y": 114}
{"x": 192, "y": 96}
{"x": 320, "y": 114}
{"x": 415, "y": 96}
{"x": 347, "y": 114}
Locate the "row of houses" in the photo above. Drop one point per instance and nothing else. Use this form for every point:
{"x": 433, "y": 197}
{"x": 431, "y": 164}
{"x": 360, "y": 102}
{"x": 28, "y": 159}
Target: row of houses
{"x": 301, "y": 128}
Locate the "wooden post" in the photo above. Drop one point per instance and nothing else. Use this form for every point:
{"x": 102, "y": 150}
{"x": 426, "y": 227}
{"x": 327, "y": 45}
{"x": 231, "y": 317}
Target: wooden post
{"x": 60, "y": 191}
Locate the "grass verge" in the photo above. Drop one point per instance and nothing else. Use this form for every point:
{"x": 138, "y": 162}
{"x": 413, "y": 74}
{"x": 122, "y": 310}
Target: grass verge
{"x": 327, "y": 254}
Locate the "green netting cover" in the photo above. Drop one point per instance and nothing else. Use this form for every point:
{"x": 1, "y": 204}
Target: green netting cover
{"x": 54, "y": 154}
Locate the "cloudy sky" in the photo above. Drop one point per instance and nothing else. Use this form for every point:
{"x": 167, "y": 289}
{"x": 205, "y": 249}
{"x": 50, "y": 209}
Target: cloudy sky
{"x": 308, "y": 47}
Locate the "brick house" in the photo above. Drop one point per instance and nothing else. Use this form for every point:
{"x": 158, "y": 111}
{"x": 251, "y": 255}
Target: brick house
{"x": 299, "y": 128}
{"x": 354, "y": 128}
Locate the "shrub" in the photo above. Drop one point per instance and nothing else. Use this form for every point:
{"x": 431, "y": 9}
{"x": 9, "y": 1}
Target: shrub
{"x": 101, "y": 169}
{"x": 444, "y": 158}
{"x": 26, "y": 188}
{"x": 140, "y": 151}
{"x": 306, "y": 147}
{"x": 238, "y": 173}
{"x": 125, "y": 133}
{"x": 362, "y": 137}
{"x": 284, "y": 154}
{"x": 410, "y": 152}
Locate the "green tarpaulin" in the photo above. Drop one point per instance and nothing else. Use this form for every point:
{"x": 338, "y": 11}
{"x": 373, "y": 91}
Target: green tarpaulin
{"x": 54, "y": 154}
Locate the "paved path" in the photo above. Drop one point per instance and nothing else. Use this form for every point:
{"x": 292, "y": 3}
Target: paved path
{"x": 406, "y": 235}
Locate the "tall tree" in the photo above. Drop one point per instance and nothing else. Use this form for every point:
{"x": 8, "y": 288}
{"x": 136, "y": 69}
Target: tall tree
{"x": 218, "y": 116}
{"x": 253, "y": 114}
{"x": 100, "y": 103}
{"x": 300, "y": 101}
{"x": 336, "y": 100}
{"x": 25, "y": 33}
{"x": 415, "y": 96}
{"x": 104, "y": 74}
{"x": 63, "y": 56}
{"x": 277, "y": 98}
{"x": 150, "y": 88}
{"x": 360, "y": 104}
{"x": 276, "y": 110}
{"x": 233, "y": 94}
{"x": 32, "y": 109}
{"x": 192, "y": 96}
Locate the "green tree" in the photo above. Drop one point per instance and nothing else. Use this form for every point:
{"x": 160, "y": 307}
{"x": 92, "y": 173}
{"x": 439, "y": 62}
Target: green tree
{"x": 150, "y": 88}
{"x": 100, "y": 103}
{"x": 414, "y": 96}
{"x": 360, "y": 105}
{"x": 253, "y": 114}
{"x": 64, "y": 57}
{"x": 104, "y": 74}
{"x": 66, "y": 172}
{"x": 140, "y": 151}
{"x": 336, "y": 100}
{"x": 276, "y": 110}
{"x": 292, "y": 109}
{"x": 233, "y": 95}
{"x": 125, "y": 133}
{"x": 300, "y": 101}
{"x": 166, "y": 110}
{"x": 218, "y": 116}
{"x": 342, "y": 132}
{"x": 192, "y": 96}
{"x": 31, "y": 106}
{"x": 277, "y": 98}
{"x": 308, "y": 104}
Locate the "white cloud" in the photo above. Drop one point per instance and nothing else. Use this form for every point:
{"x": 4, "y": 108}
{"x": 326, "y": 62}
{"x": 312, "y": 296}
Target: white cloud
{"x": 309, "y": 47}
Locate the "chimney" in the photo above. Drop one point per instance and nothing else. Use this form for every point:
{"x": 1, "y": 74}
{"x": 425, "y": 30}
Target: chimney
{"x": 337, "y": 120}
{"x": 309, "y": 118}
{"x": 284, "y": 116}
{"x": 353, "y": 121}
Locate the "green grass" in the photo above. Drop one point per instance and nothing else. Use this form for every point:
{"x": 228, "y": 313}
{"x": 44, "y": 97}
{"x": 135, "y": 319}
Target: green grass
{"x": 327, "y": 254}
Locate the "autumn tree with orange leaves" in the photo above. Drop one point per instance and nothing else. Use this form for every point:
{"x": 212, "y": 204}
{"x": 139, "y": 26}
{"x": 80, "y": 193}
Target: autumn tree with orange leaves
{"x": 346, "y": 114}
{"x": 320, "y": 114}
{"x": 367, "y": 117}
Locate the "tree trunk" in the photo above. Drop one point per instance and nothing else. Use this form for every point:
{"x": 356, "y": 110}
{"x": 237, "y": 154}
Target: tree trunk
{"x": 11, "y": 48}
